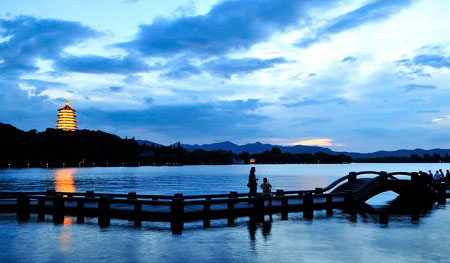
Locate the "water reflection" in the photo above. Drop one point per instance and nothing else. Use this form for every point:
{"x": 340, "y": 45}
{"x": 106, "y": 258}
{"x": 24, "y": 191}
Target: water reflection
{"x": 399, "y": 211}
{"x": 65, "y": 238}
{"x": 64, "y": 181}
{"x": 265, "y": 227}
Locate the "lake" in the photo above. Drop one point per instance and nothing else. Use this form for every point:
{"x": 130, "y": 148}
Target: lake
{"x": 384, "y": 231}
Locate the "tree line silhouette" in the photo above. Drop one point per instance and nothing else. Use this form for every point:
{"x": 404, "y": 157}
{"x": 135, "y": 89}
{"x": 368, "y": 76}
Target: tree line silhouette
{"x": 414, "y": 158}
{"x": 85, "y": 148}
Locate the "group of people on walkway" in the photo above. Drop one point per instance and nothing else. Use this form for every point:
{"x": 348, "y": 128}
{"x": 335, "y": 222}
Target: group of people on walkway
{"x": 253, "y": 185}
{"x": 267, "y": 187}
{"x": 438, "y": 176}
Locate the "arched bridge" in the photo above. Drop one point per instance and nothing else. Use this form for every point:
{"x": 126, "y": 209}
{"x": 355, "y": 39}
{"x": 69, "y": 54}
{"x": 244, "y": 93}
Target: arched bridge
{"x": 362, "y": 189}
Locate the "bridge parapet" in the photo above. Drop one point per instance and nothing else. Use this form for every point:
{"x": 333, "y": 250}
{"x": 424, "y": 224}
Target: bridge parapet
{"x": 351, "y": 177}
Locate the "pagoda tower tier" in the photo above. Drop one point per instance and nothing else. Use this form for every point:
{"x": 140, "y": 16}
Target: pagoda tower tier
{"x": 67, "y": 118}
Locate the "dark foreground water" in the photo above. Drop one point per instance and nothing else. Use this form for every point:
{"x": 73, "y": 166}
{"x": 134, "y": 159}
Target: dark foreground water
{"x": 385, "y": 231}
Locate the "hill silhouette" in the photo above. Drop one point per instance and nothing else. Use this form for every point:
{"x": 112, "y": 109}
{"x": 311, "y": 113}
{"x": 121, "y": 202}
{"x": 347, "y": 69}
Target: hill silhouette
{"x": 258, "y": 147}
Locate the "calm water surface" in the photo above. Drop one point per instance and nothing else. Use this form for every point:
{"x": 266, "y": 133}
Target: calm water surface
{"x": 384, "y": 231}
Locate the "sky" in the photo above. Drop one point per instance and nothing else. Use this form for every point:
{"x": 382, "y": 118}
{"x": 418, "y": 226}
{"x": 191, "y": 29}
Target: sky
{"x": 356, "y": 75}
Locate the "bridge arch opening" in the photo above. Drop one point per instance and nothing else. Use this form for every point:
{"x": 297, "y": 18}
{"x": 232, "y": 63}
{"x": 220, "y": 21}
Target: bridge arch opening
{"x": 382, "y": 198}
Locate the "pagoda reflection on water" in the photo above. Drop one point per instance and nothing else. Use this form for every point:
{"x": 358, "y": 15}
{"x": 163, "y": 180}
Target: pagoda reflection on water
{"x": 66, "y": 118}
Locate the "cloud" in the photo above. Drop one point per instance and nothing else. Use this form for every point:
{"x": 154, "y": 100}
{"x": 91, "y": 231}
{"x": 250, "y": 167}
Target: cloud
{"x": 309, "y": 102}
{"x": 22, "y": 110}
{"x": 29, "y": 38}
{"x": 194, "y": 121}
{"x": 349, "y": 59}
{"x": 445, "y": 120}
{"x": 133, "y": 79}
{"x": 229, "y": 26}
{"x": 428, "y": 111}
{"x": 226, "y": 67}
{"x": 413, "y": 87}
{"x": 40, "y": 85}
{"x": 223, "y": 67}
{"x": 434, "y": 61}
{"x": 101, "y": 65}
{"x": 371, "y": 12}
{"x": 180, "y": 68}
{"x": 422, "y": 64}
{"x": 116, "y": 89}
{"x": 324, "y": 142}
{"x": 312, "y": 120}
{"x": 24, "y": 41}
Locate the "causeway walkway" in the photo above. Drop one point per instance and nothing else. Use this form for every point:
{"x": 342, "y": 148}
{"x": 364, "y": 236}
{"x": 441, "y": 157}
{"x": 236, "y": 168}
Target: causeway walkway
{"x": 348, "y": 191}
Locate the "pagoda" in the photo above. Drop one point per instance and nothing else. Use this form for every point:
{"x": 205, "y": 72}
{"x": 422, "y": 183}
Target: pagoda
{"x": 66, "y": 118}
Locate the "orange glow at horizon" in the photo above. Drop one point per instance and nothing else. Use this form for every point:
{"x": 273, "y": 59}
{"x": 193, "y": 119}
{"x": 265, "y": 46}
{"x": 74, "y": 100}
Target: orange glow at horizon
{"x": 316, "y": 142}
{"x": 64, "y": 181}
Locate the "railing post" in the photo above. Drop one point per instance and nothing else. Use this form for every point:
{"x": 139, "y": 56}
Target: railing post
{"x": 41, "y": 209}
{"x": 415, "y": 177}
{"x": 80, "y": 211}
{"x": 23, "y": 207}
{"x": 137, "y": 214}
{"x": 384, "y": 176}
{"x": 442, "y": 195}
{"x": 131, "y": 196}
{"x": 230, "y": 206}
{"x": 329, "y": 204}
{"x": 207, "y": 213}
{"x": 177, "y": 211}
{"x": 104, "y": 217}
{"x": 258, "y": 209}
{"x": 383, "y": 218}
{"x": 58, "y": 208}
{"x": 308, "y": 209}
{"x": 284, "y": 204}
{"x": 352, "y": 177}
{"x": 348, "y": 199}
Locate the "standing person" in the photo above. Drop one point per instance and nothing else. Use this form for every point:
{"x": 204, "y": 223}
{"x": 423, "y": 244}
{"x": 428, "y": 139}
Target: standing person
{"x": 447, "y": 177}
{"x": 252, "y": 183}
{"x": 441, "y": 174}
{"x": 437, "y": 176}
{"x": 430, "y": 174}
{"x": 267, "y": 189}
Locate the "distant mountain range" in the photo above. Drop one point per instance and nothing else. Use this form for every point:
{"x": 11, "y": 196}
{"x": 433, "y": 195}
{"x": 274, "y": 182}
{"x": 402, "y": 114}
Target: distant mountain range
{"x": 258, "y": 147}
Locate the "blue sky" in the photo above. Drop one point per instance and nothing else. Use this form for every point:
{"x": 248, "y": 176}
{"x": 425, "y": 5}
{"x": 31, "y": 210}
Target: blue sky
{"x": 360, "y": 75}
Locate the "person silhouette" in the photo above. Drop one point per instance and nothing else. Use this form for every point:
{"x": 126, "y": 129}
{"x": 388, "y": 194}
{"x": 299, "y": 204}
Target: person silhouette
{"x": 437, "y": 176}
{"x": 267, "y": 189}
{"x": 252, "y": 183}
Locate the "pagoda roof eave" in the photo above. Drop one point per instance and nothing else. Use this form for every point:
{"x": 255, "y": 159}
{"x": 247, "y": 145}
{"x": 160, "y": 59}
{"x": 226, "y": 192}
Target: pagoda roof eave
{"x": 67, "y": 107}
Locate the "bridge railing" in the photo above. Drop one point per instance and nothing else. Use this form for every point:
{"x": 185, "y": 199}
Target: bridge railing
{"x": 350, "y": 177}
{"x": 177, "y": 210}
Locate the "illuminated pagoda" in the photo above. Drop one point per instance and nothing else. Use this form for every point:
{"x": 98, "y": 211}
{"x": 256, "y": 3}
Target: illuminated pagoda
{"x": 66, "y": 118}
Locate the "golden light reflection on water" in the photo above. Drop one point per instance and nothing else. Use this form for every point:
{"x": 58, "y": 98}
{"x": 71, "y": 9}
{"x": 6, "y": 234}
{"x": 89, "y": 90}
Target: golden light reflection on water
{"x": 65, "y": 238}
{"x": 68, "y": 221}
{"x": 64, "y": 181}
